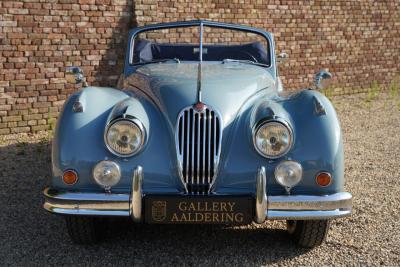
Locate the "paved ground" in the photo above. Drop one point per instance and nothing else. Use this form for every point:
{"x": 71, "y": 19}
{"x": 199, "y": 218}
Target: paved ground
{"x": 30, "y": 236}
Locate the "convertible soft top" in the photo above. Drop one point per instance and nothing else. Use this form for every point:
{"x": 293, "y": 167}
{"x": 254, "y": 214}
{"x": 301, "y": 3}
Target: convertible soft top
{"x": 146, "y": 50}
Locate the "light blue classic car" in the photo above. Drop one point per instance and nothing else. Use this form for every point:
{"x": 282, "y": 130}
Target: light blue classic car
{"x": 198, "y": 130}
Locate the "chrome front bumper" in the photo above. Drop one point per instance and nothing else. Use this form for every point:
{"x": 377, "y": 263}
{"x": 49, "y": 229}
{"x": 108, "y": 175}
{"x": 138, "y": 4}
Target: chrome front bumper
{"x": 98, "y": 204}
{"x": 286, "y": 207}
{"x": 299, "y": 207}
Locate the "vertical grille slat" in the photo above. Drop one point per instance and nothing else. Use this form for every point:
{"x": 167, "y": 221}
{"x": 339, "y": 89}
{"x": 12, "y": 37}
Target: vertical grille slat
{"x": 192, "y": 147}
{"x": 217, "y": 129}
{"x": 204, "y": 149}
{"x": 180, "y": 135}
{"x": 198, "y": 137}
{"x": 209, "y": 147}
{"x": 212, "y": 144}
{"x": 198, "y": 150}
{"x": 187, "y": 136}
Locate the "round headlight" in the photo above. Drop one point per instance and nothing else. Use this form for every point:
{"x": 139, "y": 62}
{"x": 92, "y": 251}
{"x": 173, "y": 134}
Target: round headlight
{"x": 107, "y": 173}
{"x": 272, "y": 139}
{"x": 288, "y": 173}
{"x": 124, "y": 137}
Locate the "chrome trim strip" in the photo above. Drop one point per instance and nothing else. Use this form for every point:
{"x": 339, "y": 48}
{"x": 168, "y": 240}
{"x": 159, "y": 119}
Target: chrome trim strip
{"x": 131, "y": 49}
{"x": 135, "y": 202}
{"x": 198, "y": 149}
{"x": 182, "y": 147}
{"x": 341, "y": 200}
{"x": 215, "y": 156}
{"x": 93, "y": 204}
{"x": 192, "y": 154}
{"x": 87, "y": 212}
{"x": 184, "y": 126}
{"x": 209, "y": 146}
{"x": 52, "y": 194}
{"x": 217, "y": 152}
{"x": 309, "y": 207}
{"x": 261, "y": 196}
{"x": 307, "y": 215}
{"x": 187, "y": 137}
{"x": 204, "y": 115}
{"x": 201, "y": 43}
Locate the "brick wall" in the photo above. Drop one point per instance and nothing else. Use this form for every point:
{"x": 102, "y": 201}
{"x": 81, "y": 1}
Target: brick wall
{"x": 38, "y": 38}
{"x": 358, "y": 41}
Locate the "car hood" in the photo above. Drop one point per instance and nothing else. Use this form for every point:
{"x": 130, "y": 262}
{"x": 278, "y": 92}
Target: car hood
{"x": 224, "y": 87}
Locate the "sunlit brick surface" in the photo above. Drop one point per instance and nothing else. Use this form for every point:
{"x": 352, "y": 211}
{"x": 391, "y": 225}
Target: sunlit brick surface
{"x": 358, "y": 41}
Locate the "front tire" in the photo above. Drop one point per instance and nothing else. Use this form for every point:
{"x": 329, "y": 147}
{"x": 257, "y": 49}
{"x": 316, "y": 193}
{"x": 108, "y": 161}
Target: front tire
{"x": 308, "y": 234}
{"x": 84, "y": 230}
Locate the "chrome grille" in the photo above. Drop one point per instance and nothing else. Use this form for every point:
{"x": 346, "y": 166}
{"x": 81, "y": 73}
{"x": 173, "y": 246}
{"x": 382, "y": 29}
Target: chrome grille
{"x": 198, "y": 144}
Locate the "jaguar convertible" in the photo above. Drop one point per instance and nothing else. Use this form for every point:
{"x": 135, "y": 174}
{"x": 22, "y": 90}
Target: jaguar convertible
{"x": 199, "y": 130}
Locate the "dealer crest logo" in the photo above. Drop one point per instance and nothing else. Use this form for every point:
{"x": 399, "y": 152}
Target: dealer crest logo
{"x": 159, "y": 210}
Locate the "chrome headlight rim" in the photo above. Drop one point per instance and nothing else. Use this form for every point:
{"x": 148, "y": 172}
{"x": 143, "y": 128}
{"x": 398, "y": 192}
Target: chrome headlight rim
{"x": 273, "y": 121}
{"x": 134, "y": 121}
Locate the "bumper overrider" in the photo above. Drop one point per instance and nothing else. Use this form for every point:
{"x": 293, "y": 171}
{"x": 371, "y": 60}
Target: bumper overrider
{"x": 283, "y": 207}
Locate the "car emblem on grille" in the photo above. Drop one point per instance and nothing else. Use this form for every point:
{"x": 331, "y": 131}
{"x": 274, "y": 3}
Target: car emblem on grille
{"x": 159, "y": 210}
{"x": 199, "y": 107}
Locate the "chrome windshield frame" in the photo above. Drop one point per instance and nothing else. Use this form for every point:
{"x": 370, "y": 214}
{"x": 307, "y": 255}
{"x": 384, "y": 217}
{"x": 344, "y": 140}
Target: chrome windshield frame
{"x": 130, "y": 67}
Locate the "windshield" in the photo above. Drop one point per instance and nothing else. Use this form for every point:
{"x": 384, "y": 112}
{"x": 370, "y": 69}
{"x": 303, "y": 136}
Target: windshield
{"x": 200, "y": 43}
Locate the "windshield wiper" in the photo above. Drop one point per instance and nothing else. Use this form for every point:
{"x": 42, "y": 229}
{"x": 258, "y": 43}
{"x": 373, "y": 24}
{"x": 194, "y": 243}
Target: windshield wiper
{"x": 245, "y": 61}
{"x": 158, "y": 61}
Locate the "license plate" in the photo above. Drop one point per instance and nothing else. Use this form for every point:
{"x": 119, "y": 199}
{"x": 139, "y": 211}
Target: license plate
{"x": 198, "y": 209}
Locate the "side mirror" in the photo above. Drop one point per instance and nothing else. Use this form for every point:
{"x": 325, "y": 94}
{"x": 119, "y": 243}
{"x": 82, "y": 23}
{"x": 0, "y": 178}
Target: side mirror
{"x": 322, "y": 79}
{"x": 75, "y": 75}
{"x": 282, "y": 57}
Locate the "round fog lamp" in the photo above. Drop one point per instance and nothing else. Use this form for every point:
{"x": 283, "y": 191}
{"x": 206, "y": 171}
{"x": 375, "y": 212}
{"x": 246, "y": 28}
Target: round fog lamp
{"x": 107, "y": 173}
{"x": 288, "y": 173}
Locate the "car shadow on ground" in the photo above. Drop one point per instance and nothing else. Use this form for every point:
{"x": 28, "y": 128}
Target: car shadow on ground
{"x": 208, "y": 244}
{"x": 31, "y": 236}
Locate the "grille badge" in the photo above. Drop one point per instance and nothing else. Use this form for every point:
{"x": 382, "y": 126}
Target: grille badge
{"x": 199, "y": 106}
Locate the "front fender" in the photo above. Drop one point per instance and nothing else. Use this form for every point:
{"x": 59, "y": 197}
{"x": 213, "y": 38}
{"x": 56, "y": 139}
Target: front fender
{"x": 317, "y": 144}
{"x": 79, "y": 135}
{"x": 78, "y": 143}
{"x": 318, "y": 140}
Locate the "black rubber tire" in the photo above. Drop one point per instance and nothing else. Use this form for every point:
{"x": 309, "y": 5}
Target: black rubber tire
{"x": 308, "y": 234}
{"x": 84, "y": 230}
